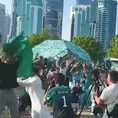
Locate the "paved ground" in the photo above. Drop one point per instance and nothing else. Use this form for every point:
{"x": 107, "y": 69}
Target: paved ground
{"x": 85, "y": 114}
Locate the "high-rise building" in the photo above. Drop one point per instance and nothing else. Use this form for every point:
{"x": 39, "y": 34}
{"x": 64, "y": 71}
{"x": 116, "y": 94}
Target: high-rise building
{"x": 18, "y": 30}
{"x": 4, "y": 23}
{"x": 7, "y": 27}
{"x": 93, "y": 29}
{"x": 82, "y": 16}
{"x": 2, "y": 20}
{"x": 83, "y": 2}
{"x": 54, "y": 16}
{"x": 106, "y": 21}
{"x": 13, "y": 20}
{"x": 29, "y": 16}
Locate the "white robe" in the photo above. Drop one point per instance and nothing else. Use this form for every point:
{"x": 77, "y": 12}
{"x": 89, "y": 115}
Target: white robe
{"x": 36, "y": 93}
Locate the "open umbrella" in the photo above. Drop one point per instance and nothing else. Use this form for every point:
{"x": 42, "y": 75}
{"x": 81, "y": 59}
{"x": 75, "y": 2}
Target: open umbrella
{"x": 58, "y": 48}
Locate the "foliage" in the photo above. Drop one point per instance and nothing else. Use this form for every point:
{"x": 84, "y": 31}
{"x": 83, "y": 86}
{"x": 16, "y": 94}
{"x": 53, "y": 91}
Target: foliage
{"x": 37, "y": 38}
{"x": 113, "y": 50}
{"x": 55, "y": 37}
{"x": 92, "y": 46}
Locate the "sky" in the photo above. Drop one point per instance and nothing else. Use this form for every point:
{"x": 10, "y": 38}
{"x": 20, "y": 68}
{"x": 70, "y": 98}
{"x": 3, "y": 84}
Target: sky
{"x": 7, "y": 3}
{"x": 66, "y": 19}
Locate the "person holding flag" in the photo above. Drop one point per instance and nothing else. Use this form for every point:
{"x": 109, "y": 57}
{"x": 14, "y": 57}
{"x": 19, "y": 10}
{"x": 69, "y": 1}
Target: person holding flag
{"x": 16, "y": 61}
{"x": 8, "y": 81}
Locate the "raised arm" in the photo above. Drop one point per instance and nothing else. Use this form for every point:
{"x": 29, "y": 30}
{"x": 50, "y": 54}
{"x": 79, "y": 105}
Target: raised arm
{"x": 26, "y": 82}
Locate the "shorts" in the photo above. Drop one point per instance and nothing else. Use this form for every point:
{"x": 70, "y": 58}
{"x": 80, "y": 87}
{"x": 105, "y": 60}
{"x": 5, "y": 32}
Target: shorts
{"x": 75, "y": 105}
{"x": 24, "y": 102}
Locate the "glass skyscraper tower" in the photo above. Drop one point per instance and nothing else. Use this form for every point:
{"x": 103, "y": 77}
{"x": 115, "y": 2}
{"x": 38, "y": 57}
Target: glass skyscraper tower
{"x": 27, "y": 16}
{"x": 106, "y": 21}
{"x": 82, "y": 16}
{"x": 54, "y": 17}
{"x": 83, "y": 2}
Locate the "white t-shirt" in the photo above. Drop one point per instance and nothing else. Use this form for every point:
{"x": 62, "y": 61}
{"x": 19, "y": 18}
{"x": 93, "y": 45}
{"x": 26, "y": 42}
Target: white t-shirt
{"x": 110, "y": 96}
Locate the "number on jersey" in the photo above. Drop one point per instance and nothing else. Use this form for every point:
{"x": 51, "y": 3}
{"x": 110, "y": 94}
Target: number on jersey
{"x": 64, "y": 101}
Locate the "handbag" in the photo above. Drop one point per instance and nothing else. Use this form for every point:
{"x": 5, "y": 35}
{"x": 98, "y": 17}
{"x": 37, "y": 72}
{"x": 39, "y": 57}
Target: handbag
{"x": 113, "y": 113}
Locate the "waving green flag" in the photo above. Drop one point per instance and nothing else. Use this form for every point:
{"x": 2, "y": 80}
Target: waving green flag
{"x": 20, "y": 47}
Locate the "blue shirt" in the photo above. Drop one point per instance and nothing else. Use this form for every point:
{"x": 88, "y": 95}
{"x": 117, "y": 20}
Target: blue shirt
{"x": 76, "y": 77}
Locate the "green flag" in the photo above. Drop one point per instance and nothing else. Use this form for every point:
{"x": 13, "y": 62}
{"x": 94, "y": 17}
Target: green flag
{"x": 20, "y": 47}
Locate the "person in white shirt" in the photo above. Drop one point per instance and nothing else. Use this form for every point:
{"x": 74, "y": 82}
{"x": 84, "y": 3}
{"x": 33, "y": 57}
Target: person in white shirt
{"x": 109, "y": 95}
{"x": 102, "y": 85}
{"x": 36, "y": 93}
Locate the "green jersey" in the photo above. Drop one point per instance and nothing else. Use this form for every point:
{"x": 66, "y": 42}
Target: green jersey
{"x": 60, "y": 97}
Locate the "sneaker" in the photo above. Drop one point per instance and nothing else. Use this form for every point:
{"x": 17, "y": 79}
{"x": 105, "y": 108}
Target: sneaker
{"x": 92, "y": 113}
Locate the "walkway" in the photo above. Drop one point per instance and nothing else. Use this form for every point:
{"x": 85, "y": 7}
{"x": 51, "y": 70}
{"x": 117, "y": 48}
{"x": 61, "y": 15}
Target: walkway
{"x": 85, "y": 114}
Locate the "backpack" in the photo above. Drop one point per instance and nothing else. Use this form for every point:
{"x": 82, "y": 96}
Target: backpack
{"x": 113, "y": 113}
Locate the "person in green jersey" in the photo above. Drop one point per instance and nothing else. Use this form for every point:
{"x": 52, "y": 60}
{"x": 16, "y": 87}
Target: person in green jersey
{"x": 60, "y": 96}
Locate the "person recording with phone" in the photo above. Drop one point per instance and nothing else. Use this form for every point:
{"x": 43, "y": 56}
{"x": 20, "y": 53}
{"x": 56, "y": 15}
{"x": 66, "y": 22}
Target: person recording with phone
{"x": 109, "y": 96}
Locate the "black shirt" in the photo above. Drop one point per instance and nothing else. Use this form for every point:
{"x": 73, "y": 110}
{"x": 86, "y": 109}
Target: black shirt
{"x": 8, "y": 75}
{"x": 76, "y": 93}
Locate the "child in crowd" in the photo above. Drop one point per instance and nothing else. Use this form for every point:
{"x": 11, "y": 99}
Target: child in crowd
{"x": 76, "y": 91}
{"x": 76, "y": 76}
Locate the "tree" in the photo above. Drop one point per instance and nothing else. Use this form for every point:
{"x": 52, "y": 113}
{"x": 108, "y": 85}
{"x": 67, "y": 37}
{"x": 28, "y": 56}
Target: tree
{"x": 55, "y": 37}
{"x": 37, "y": 38}
{"x": 91, "y": 45}
{"x": 113, "y": 50}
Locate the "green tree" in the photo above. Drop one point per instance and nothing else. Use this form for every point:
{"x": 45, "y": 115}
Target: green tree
{"x": 113, "y": 50}
{"x": 37, "y": 38}
{"x": 55, "y": 37}
{"x": 91, "y": 45}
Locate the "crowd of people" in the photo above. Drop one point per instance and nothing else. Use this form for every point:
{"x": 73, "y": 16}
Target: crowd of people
{"x": 61, "y": 84}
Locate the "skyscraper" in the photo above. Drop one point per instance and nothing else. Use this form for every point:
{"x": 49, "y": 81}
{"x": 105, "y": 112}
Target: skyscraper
{"x": 7, "y": 27}
{"x": 54, "y": 16}
{"x": 106, "y": 21}
{"x": 13, "y": 20}
{"x": 29, "y": 16}
{"x": 83, "y": 2}
{"x": 4, "y": 23}
{"x": 2, "y": 20}
{"x": 82, "y": 17}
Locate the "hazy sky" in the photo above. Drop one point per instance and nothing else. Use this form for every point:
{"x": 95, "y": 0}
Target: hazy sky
{"x": 66, "y": 21}
{"x": 8, "y": 5}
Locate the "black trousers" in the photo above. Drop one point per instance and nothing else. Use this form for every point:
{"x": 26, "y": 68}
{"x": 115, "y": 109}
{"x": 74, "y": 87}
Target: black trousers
{"x": 24, "y": 102}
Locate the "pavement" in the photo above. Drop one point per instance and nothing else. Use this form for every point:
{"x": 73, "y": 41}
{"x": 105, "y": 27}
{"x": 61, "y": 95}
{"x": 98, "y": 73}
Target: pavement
{"x": 85, "y": 114}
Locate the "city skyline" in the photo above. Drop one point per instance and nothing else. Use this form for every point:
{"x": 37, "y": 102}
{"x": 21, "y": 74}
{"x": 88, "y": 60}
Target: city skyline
{"x": 66, "y": 20}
